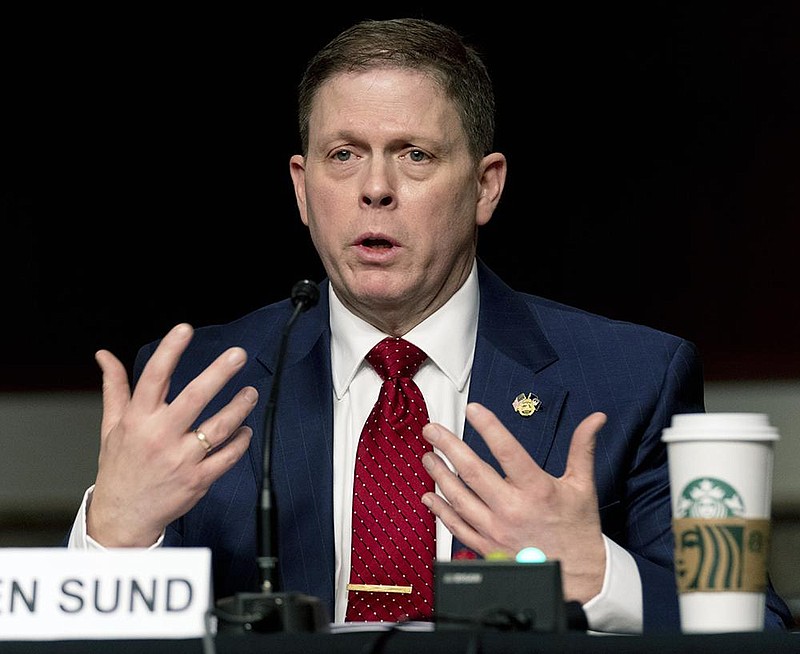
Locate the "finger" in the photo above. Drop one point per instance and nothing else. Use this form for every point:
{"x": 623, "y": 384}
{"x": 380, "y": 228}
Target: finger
{"x": 454, "y": 523}
{"x": 205, "y": 441}
{"x": 475, "y": 490}
{"x": 153, "y": 385}
{"x": 470, "y": 468}
{"x": 188, "y": 404}
{"x": 116, "y": 390}
{"x": 465, "y": 515}
{"x": 223, "y": 459}
{"x": 518, "y": 466}
{"x": 450, "y": 485}
{"x": 220, "y": 427}
{"x": 514, "y": 459}
{"x": 580, "y": 460}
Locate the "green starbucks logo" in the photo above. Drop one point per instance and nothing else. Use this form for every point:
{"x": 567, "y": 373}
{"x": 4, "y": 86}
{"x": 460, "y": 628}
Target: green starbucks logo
{"x": 709, "y": 498}
{"x": 716, "y": 547}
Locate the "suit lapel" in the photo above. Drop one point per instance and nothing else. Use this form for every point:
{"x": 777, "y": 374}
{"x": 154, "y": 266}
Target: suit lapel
{"x": 510, "y": 353}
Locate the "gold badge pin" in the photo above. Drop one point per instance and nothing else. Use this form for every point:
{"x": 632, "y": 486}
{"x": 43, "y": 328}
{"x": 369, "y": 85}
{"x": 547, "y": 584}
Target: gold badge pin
{"x": 526, "y": 405}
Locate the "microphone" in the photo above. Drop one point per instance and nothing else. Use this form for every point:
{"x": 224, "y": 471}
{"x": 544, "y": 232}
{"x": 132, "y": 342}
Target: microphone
{"x": 305, "y": 294}
{"x": 271, "y": 610}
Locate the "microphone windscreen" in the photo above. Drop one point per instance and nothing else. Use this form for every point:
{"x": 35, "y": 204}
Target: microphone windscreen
{"x": 306, "y": 292}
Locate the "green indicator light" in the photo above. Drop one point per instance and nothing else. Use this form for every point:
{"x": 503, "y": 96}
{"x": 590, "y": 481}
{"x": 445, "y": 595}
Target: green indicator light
{"x": 531, "y": 555}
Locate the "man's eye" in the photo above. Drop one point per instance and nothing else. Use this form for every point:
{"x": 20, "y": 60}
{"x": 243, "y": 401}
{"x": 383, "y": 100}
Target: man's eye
{"x": 342, "y": 155}
{"x": 417, "y": 155}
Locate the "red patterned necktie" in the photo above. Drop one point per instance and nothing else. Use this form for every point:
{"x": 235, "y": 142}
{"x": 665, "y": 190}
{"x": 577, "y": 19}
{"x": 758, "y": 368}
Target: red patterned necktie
{"x": 394, "y": 534}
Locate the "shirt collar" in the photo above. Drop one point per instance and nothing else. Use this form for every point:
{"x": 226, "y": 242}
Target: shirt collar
{"x": 447, "y": 336}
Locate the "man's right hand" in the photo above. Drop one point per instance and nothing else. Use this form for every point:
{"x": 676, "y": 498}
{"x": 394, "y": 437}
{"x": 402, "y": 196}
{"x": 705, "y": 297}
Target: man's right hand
{"x": 152, "y": 467}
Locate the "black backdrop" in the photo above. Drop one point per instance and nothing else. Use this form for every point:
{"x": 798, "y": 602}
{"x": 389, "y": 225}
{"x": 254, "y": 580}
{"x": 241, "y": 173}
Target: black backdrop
{"x": 653, "y": 151}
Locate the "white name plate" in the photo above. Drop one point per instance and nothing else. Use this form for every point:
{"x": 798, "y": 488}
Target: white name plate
{"x": 63, "y": 594}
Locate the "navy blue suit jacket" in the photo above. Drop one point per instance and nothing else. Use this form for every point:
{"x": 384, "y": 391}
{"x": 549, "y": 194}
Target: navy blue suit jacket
{"x": 574, "y": 361}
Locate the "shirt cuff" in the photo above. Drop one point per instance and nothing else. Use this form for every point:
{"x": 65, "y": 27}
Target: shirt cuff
{"x": 79, "y": 539}
{"x": 618, "y": 606}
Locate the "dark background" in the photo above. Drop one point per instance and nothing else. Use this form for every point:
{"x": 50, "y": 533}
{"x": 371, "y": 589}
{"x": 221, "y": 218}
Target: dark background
{"x": 653, "y": 171}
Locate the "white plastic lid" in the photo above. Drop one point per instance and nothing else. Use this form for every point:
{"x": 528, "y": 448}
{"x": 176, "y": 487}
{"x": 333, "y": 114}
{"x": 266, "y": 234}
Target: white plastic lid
{"x": 720, "y": 427}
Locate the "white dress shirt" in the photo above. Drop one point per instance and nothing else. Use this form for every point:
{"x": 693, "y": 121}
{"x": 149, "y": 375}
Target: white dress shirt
{"x": 448, "y": 338}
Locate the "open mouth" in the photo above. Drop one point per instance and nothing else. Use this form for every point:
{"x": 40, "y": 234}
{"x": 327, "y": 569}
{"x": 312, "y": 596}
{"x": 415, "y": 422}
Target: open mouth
{"x": 376, "y": 243}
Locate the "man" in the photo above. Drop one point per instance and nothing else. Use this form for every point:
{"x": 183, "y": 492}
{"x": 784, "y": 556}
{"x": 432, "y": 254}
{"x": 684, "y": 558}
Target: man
{"x": 396, "y": 175}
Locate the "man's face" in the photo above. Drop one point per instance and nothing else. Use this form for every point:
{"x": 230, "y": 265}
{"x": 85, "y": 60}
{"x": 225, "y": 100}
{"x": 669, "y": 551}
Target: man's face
{"x": 390, "y": 194}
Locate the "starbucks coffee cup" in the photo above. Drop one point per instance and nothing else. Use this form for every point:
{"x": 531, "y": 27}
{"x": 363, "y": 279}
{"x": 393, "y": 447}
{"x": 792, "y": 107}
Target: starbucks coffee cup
{"x": 720, "y": 471}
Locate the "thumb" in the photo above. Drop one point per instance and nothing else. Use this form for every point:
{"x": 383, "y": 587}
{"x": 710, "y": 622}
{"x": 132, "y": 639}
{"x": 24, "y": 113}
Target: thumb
{"x": 580, "y": 461}
{"x": 116, "y": 390}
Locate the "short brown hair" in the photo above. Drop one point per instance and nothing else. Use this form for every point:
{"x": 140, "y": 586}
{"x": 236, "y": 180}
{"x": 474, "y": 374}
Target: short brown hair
{"x": 412, "y": 43}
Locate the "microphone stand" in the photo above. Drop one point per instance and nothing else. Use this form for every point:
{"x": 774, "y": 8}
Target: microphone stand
{"x": 271, "y": 610}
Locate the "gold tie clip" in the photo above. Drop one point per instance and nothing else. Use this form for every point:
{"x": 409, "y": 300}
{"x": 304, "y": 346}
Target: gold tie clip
{"x": 378, "y": 588}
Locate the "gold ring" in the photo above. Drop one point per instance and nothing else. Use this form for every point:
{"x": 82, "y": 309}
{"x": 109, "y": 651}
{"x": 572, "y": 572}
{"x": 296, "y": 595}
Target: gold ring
{"x": 203, "y": 439}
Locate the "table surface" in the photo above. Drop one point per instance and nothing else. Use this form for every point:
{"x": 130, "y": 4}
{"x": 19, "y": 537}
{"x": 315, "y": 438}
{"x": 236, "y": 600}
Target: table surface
{"x": 444, "y": 641}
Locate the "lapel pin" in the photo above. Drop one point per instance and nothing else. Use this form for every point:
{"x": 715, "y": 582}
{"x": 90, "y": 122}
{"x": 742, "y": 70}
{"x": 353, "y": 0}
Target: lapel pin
{"x": 526, "y": 405}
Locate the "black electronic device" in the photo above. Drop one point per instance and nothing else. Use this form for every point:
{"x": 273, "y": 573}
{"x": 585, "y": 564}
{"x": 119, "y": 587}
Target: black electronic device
{"x": 501, "y": 594}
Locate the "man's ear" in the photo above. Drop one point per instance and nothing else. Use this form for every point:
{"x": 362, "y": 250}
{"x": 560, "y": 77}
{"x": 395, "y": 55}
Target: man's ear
{"x": 491, "y": 181}
{"x": 297, "y": 169}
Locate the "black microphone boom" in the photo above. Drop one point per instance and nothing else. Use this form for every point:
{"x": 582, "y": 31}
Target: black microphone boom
{"x": 305, "y": 294}
{"x": 271, "y": 610}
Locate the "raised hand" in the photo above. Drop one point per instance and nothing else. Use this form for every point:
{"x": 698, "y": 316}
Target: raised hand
{"x": 528, "y": 507}
{"x": 152, "y": 467}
